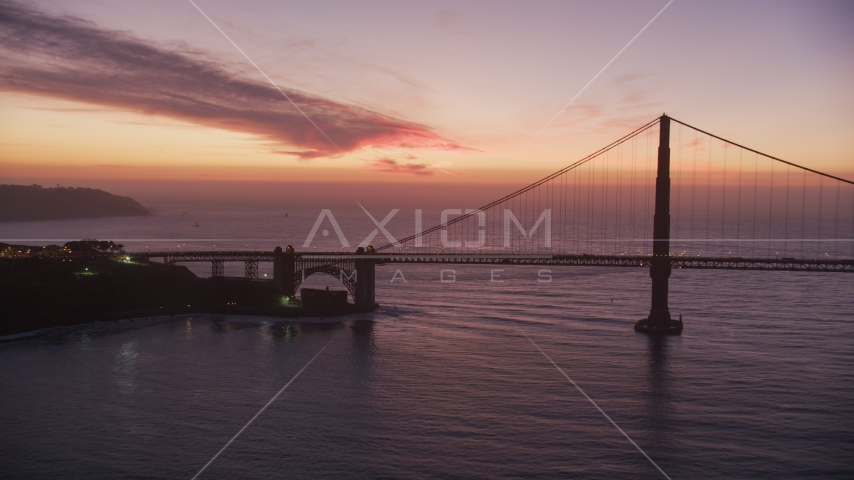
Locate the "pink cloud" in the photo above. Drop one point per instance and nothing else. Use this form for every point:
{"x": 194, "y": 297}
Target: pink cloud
{"x": 388, "y": 165}
{"x": 69, "y": 58}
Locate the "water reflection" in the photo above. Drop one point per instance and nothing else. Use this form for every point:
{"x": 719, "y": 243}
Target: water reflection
{"x": 319, "y": 327}
{"x": 659, "y": 403}
{"x": 362, "y": 372}
{"x": 363, "y": 328}
{"x": 125, "y": 368}
{"x": 85, "y": 340}
{"x": 220, "y": 324}
{"x": 363, "y": 341}
{"x": 283, "y": 331}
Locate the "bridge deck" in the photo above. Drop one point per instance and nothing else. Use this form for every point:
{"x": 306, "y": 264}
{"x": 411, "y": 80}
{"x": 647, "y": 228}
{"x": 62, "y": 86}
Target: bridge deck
{"x": 633, "y": 261}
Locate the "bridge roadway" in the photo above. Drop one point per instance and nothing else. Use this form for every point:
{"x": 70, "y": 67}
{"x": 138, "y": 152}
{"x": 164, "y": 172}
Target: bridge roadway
{"x": 634, "y": 261}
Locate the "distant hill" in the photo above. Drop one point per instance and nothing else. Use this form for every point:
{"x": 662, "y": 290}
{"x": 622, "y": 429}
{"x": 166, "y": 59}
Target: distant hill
{"x": 21, "y": 202}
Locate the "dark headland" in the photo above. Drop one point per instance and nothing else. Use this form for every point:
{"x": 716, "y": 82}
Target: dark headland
{"x": 32, "y": 202}
{"x": 90, "y": 281}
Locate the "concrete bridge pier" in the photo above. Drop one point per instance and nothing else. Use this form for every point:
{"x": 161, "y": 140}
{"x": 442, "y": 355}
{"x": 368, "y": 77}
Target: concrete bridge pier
{"x": 284, "y": 270}
{"x": 277, "y": 267}
{"x": 289, "y": 272}
{"x": 365, "y": 296}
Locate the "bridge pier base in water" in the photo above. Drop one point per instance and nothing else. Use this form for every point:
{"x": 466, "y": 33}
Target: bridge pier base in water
{"x": 366, "y": 276}
{"x": 659, "y": 321}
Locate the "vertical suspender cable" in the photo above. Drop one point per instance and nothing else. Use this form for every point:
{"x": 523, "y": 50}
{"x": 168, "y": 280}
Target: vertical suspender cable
{"x": 576, "y": 204}
{"x": 836, "y": 219}
{"x": 803, "y": 213}
{"x": 539, "y": 209}
{"x": 529, "y": 202}
{"x": 535, "y": 209}
{"x": 738, "y": 214}
{"x": 593, "y": 205}
{"x": 723, "y": 202}
{"x": 786, "y": 221}
{"x": 563, "y": 195}
{"x": 632, "y": 197}
{"x": 770, "y": 207}
{"x": 755, "y": 192}
{"x": 820, "y": 197}
{"x": 524, "y": 217}
{"x": 604, "y": 229}
{"x": 709, "y": 200}
{"x": 693, "y": 188}
{"x": 589, "y": 183}
{"x": 575, "y": 199}
{"x": 619, "y": 198}
{"x": 579, "y": 214}
{"x": 678, "y": 185}
{"x": 576, "y": 212}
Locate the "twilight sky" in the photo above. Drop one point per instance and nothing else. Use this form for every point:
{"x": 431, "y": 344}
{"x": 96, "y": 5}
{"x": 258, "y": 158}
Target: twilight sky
{"x": 414, "y": 91}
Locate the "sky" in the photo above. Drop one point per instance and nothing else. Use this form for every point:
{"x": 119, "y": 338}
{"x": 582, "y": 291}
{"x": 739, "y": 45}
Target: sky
{"x": 108, "y": 93}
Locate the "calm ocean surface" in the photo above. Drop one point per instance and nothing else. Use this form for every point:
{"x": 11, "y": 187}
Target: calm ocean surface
{"x": 440, "y": 382}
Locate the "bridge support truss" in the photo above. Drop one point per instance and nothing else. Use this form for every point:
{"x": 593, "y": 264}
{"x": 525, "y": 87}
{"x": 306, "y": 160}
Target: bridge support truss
{"x": 357, "y": 272}
{"x": 251, "y": 269}
{"x": 217, "y": 268}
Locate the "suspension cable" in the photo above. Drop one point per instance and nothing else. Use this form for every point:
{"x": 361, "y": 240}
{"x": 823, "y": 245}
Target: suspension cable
{"x": 764, "y": 154}
{"x": 531, "y": 186}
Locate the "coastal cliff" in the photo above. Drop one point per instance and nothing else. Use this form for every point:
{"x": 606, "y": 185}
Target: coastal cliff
{"x": 23, "y": 203}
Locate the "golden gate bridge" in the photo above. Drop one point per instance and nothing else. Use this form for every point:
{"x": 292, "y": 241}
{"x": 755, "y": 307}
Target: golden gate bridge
{"x": 694, "y": 200}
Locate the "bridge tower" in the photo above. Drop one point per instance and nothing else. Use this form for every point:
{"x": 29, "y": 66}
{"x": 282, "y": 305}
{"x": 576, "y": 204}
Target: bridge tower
{"x": 365, "y": 279}
{"x": 659, "y": 321}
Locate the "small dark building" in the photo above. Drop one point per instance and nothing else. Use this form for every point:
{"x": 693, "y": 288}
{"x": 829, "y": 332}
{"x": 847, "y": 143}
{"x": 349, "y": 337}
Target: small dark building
{"x": 323, "y": 300}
